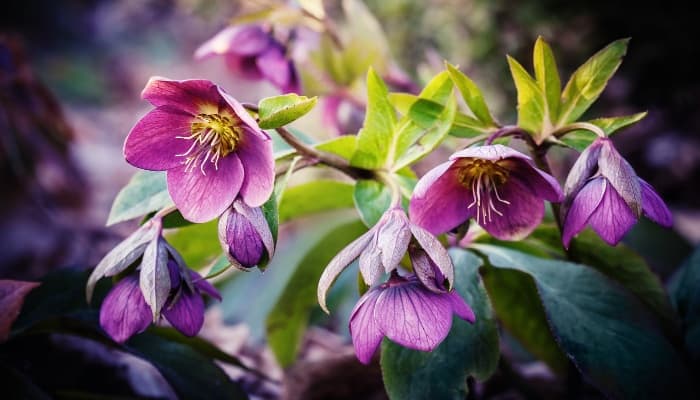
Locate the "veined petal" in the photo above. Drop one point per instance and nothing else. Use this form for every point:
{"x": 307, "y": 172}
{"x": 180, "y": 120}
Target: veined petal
{"x": 621, "y": 176}
{"x": 654, "y": 207}
{"x": 413, "y": 317}
{"x": 426, "y": 271}
{"x": 186, "y": 95}
{"x": 239, "y": 239}
{"x": 539, "y": 182}
{"x": 371, "y": 264}
{"x": 585, "y": 166}
{"x": 259, "y": 165}
{"x": 460, "y": 307}
{"x": 153, "y": 143}
{"x": 393, "y": 237}
{"x": 257, "y": 219}
{"x": 439, "y": 202}
{"x": 436, "y": 252}
{"x": 492, "y": 152}
{"x": 201, "y": 198}
{"x": 585, "y": 202}
{"x": 241, "y": 40}
{"x": 520, "y": 217}
{"x": 187, "y": 313}
{"x": 339, "y": 263}
{"x": 364, "y": 328}
{"x": 124, "y": 311}
{"x": 613, "y": 217}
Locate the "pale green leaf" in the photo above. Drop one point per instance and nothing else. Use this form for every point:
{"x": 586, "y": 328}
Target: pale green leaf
{"x": 372, "y": 199}
{"x": 316, "y": 196}
{"x": 278, "y": 111}
{"x": 580, "y": 139}
{"x": 472, "y": 95}
{"x": 547, "y": 77}
{"x": 532, "y": 107}
{"x": 147, "y": 191}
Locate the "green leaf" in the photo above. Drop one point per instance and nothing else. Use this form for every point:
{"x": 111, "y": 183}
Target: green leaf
{"x": 532, "y": 106}
{"x": 402, "y": 102}
{"x": 518, "y": 307}
{"x": 580, "y": 139}
{"x": 198, "y": 244}
{"x": 467, "y": 127}
{"x": 589, "y": 80}
{"x": 547, "y": 77}
{"x": 604, "y": 330}
{"x": 472, "y": 95}
{"x": 191, "y": 374}
{"x": 289, "y": 318}
{"x": 220, "y": 265}
{"x": 316, "y": 196}
{"x": 467, "y": 350}
{"x": 684, "y": 288}
{"x": 146, "y": 192}
{"x": 278, "y": 111}
{"x": 343, "y": 146}
{"x": 372, "y": 199}
{"x": 376, "y": 140}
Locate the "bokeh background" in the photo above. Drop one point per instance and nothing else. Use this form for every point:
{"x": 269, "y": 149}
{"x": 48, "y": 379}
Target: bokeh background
{"x": 71, "y": 73}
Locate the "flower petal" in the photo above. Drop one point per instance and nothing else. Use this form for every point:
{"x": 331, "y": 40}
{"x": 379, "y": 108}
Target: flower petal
{"x": 371, "y": 264}
{"x": 436, "y": 252}
{"x": 201, "y": 198}
{"x": 187, "y": 313}
{"x": 585, "y": 166}
{"x": 241, "y": 40}
{"x": 239, "y": 239}
{"x": 277, "y": 69}
{"x": 257, "y": 219}
{"x": 492, "y": 152}
{"x": 539, "y": 182}
{"x": 241, "y": 113}
{"x": 187, "y": 95}
{"x": 613, "y": 217}
{"x": 413, "y": 317}
{"x": 620, "y": 176}
{"x": 393, "y": 237}
{"x": 654, "y": 207}
{"x": 259, "y": 165}
{"x": 582, "y": 207}
{"x": 244, "y": 66}
{"x": 204, "y": 286}
{"x": 460, "y": 307}
{"x": 364, "y": 329}
{"x": 339, "y": 263}
{"x": 124, "y": 311}
{"x": 426, "y": 271}
{"x": 439, "y": 202}
{"x": 519, "y": 218}
{"x": 153, "y": 143}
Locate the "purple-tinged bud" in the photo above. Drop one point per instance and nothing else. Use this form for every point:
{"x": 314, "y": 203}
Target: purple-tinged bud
{"x": 245, "y": 235}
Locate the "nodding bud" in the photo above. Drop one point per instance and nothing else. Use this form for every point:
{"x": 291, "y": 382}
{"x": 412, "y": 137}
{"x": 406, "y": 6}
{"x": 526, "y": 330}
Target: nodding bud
{"x": 245, "y": 235}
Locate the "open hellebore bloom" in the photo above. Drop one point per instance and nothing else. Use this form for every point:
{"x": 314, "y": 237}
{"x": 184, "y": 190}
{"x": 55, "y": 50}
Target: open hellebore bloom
{"x": 254, "y": 54}
{"x": 245, "y": 235}
{"x": 212, "y": 149}
{"x": 381, "y": 249}
{"x": 497, "y": 186}
{"x": 603, "y": 191}
{"x": 125, "y": 313}
{"x": 406, "y": 312}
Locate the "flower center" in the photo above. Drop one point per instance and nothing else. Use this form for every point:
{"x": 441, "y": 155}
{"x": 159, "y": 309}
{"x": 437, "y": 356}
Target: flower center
{"x": 213, "y": 137}
{"x": 484, "y": 177}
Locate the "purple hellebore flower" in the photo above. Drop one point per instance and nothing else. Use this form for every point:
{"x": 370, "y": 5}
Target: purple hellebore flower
{"x": 498, "y": 186}
{"x": 125, "y": 313}
{"x": 603, "y": 191}
{"x": 381, "y": 249}
{"x": 211, "y": 148}
{"x": 245, "y": 235}
{"x": 406, "y": 312}
{"x": 254, "y": 54}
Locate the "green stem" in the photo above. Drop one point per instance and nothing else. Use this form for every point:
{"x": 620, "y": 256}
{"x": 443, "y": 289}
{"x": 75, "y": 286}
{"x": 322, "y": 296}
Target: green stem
{"x": 385, "y": 178}
{"x": 579, "y": 126}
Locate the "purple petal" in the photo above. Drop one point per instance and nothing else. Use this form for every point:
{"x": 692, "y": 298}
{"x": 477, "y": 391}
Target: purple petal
{"x": 259, "y": 165}
{"x": 174, "y": 272}
{"x": 613, "y": 217}
{"x": 201, "y": 198}
{"x": 492, "y": 152}
{"x": 257, "y": 219}
{"x": 241, "y": 40}
{"x": 276, "y": 68}
{"x": 654, "y": 207}
{"x": 339, "y": 263}
{"x": 187, "y": 314}
{"x": 371, "y": 264}
{"x": 426, "y": 271}
{"x": 245, "y": 67}
{"x": 582, "y": 207}
{"x": 330, "y": 107}
{"x": 239, "y": 239}
{"x": 152, "y": 143}
{"x": 124, "y": 311}
{"x": 204, "y": 286}
{"x": 413, "y": 317}
{"x": 539, "y": 182}
{"x": 460, "y": 307}
{"x": 244, "y": 115}
{"x": 585, "y": 166}
{"x": 436, "y": 252}
{"x": 364, "y": 329}
{"x": 519, "y": 218}
{"x": 620, "y": 176}
{"x": 188, "y": 95}
{"x": 440, "y": 201}
{"x": 393, "y": 237}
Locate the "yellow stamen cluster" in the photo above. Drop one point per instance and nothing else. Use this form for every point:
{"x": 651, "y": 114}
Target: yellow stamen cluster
{"x": 213, "y": 137}
{"x": 483, "y": 177}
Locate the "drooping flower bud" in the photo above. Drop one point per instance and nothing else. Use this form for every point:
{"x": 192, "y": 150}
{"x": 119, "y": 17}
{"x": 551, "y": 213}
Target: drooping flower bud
{"x": 245, "y": 235}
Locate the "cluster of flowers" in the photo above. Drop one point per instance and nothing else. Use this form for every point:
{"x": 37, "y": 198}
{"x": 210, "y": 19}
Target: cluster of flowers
{"x": 219, "y": 164}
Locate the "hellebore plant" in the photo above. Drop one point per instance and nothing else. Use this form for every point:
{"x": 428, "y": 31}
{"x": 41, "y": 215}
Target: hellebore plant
{"x": 497, "y": 186}
{"x": 254, "y": 54}
{"x": 603, "y": 191}
{"x": 211, "y": 148}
